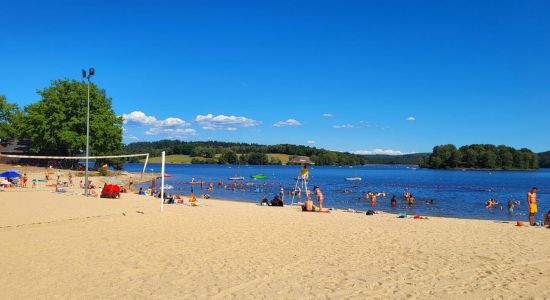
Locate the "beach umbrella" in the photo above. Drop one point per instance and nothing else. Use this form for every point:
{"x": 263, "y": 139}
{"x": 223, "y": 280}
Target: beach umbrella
{"x": 304, "y": 160}
{"x": 10, "y": 174}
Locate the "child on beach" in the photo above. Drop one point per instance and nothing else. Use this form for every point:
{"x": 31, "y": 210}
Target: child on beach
{"x": 547, "y": 220}
{"x": 511, "y": 207}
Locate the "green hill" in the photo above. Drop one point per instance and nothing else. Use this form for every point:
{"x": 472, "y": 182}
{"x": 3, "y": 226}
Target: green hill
{"x": 187, "y": 159}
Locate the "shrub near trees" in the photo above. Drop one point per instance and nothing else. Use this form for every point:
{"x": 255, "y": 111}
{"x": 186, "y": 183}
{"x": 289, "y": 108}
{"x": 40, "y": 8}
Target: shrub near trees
{"x": 480, "y": 156}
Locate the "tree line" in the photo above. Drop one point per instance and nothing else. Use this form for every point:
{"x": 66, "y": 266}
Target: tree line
{"x": 544, "y": 159}
{"x": 481, "y": 156}
{"x": 254, "y": 154}
{"x": 242, "y": 153}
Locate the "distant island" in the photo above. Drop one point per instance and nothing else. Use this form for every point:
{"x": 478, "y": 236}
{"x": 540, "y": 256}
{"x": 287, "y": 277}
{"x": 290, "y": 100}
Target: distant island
{"x": 483, "y": 156}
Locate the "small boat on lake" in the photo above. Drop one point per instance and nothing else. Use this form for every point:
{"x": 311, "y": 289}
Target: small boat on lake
{"x": 353, "y": 179}
{"x": 259, "y": 176}
{"x": 236, "y": 178}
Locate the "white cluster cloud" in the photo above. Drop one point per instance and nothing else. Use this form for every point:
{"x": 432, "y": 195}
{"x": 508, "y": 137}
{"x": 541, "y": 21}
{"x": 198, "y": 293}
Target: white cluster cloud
{"x": 411, "y": 118}
{"x": 311, "y": 142}
{"x": 171, "y": 131}
{"x": 328, "y": 115}
{"x": 139, "y": 118}
{"x": 131, "y": 137}
{"x": 170, "y": 126}
{"x": 378, "y": 151}
{"x": 344, "y": 126}
{"x": 289, "y": 122}
{"x": 223, "y": 122}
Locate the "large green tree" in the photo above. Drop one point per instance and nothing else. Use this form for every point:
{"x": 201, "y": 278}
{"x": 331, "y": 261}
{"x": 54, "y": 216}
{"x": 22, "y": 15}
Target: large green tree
{"x": 57, "y": 123}
{"x": 9, "y": 115}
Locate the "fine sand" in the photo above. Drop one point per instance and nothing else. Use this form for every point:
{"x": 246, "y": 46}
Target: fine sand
{"x": 68, "y": 246}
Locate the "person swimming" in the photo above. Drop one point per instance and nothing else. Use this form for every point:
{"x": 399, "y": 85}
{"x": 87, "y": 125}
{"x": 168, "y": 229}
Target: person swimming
{"x": 410, "y": 200}
{"x": 491, "y": 203}
{"x": 393, "y": 201}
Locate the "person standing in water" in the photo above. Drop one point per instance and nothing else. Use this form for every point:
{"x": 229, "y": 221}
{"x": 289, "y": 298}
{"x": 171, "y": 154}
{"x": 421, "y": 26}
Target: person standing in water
{"x": 511, "y": 207}
{"x": 532, "y": 205}
{"x": 373, "y": 200}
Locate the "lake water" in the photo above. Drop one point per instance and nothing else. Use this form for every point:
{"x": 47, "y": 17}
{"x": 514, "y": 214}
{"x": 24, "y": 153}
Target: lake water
{"x": 455, "y": 193}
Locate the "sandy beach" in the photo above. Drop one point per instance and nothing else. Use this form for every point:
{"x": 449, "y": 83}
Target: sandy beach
{"x": 68, "y": 246}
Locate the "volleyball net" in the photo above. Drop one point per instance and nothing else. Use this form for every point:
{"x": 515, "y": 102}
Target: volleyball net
{"x": 30, "y": 176}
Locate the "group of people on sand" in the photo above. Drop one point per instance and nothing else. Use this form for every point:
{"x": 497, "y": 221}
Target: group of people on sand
{"x": 308, "y": 204}
{"x": 276, "y": 201}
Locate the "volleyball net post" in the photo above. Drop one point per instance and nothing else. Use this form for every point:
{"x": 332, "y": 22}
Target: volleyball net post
{"x": 162, "y": 182}
{"x": 145, "y": 165}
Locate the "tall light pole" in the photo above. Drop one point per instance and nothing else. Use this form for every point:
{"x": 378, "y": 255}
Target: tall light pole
{"x": 91, "y": 73}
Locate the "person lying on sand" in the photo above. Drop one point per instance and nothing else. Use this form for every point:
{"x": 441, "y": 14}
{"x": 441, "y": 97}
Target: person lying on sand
{"x": 179, "y": 199}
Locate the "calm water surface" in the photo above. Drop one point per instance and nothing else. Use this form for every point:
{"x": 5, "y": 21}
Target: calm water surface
{"x": 455, "y": 193}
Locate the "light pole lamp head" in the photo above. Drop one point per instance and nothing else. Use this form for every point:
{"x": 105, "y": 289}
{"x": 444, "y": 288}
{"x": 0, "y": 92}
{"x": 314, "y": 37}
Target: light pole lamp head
{"x": 83, "y": 73}
{"x": 91, "y": 72}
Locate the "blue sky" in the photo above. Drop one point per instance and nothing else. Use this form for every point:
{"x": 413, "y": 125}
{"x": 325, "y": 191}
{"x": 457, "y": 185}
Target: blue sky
{"x": 397, "y": 76}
